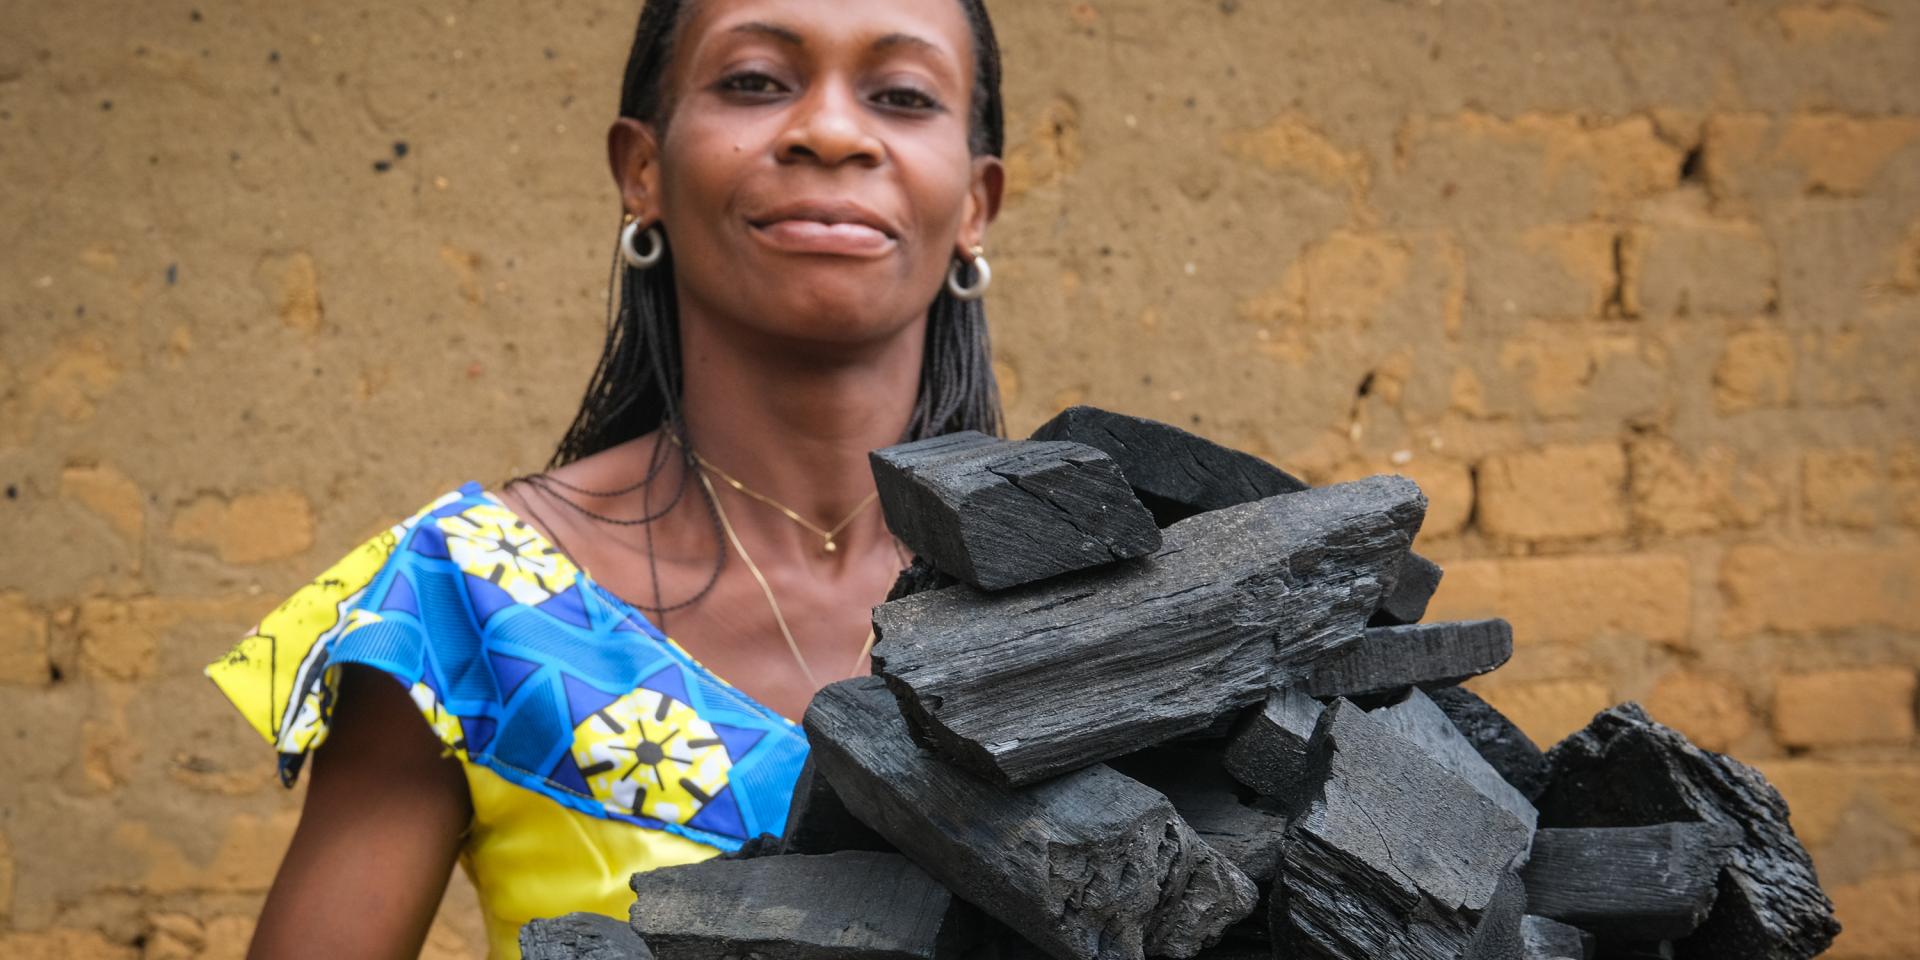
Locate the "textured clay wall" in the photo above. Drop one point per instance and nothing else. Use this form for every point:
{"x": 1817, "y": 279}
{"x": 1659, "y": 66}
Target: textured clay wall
{"x": 1631, "y": 288}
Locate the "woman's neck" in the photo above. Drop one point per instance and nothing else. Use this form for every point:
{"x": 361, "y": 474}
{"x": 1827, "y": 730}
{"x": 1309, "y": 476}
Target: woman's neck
{"x": 796, "y": 428}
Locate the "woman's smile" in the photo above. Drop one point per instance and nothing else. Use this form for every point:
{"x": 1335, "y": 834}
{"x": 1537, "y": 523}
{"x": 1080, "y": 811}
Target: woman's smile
{"x": 826, "y": 228}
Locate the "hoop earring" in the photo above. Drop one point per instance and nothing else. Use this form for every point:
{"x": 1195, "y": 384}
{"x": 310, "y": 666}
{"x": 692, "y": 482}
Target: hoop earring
{"x": 982, "y": 279}
{"x": 656, "y": 246}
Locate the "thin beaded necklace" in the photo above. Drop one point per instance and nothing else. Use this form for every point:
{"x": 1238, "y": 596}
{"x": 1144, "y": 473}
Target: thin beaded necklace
{"x": 827, "y": 543}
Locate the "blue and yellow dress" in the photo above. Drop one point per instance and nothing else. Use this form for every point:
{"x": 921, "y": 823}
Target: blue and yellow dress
{"x": 593, "y": 746}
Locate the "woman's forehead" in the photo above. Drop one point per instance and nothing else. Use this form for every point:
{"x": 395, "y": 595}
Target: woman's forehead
{"x": 939, "y": 27}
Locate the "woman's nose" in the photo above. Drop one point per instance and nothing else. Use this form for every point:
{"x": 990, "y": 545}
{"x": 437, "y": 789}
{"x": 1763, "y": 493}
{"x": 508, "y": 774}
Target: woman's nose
{"x": 830, "y": 128}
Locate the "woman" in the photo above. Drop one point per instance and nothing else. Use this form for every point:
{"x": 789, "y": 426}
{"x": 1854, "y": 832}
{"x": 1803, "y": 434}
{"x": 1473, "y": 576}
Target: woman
{"x": 806, "y": 191}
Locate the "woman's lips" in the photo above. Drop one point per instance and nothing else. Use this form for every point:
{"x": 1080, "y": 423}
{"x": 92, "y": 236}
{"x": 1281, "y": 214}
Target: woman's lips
{"x": 817, "y": 237}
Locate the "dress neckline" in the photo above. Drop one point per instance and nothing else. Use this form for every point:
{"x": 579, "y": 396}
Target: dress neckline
{"x": 625, "y": 608}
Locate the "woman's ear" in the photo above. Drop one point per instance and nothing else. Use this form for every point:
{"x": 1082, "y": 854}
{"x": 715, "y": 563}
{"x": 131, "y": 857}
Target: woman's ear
{"x": 983, "y": 202}
{"x": 633, "y": 153}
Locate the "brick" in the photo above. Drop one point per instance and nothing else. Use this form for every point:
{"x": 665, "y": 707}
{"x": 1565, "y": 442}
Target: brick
{"x": 109, "y": 494}
{"x": 1845, "y": 708}
{"x": 1560, "y": 165}
{"x": 1877, "y": 916}
{"x": 1844, "y": 155}
{"x": 1822, "y": 794}
{"x": 1676, "y": 494}
{"x": 64, "y": 945}
{"x": 291, "y": 283}
{"x": 1826, "y": 22}
{"x": 173, "y": 936}
{"x": 1348, "y": 277}
{"x": 243, "y": 861}
{"x": 1554, "y": 493}
{"x": 1703, "y": 266}
{"x": 119, "y": 638}
{"x": 1903, "y": 481}
{"x": 76, "y": 378}
{"x": 1906, "y": 261}
{"x": 1549, "y": 710}
{"x": 1568, "y": 376}
{"x": 1710, "y": 710}
{"x": 6, "y": 879}
{"x": 1291, "y": 144}
{"x": 1572, "y": 600}
{"x": 1813, "y": 589}
{"x": 1843, "y": 488}
{"x": 250, "y": 528}
{"x": 1558, "y": 271}
{"x": 1756, "y": 371}
{"x": 24, "y": 656}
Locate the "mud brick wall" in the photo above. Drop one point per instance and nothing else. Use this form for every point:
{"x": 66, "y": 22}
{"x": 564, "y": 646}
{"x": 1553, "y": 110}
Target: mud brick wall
{"x": 1632, "y": 289}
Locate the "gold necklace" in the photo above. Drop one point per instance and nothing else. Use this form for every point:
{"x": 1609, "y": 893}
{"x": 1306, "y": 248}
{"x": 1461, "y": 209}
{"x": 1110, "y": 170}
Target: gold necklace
{"x": 827, "y": 544}
{"x": 778, "y": 618}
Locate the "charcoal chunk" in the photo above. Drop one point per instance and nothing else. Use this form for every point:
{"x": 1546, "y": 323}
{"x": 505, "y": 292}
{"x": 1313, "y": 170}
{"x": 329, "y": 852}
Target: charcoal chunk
{"x": 1268, "y": 750}
{"x": 1088, "y": 865}
{"x": 1395, "y": 855}
{"x": 1420, "y": 720}
{"x": 1247, "y": 834}
{"x": 1033, "y": 682}
{"x": 1629, "y": 883}
{"x": 1428, "y": 655}
{"x": 918, "y": 576}
{"x": 1001, "y": 513}
{"x": 1544, "y": 939}
{"x": 817, "y": 822}
{"x": 1503, "y": 745}
{"x": 582, "y": 936}
{"x": 854, "y": 904}
{"x": 1177, "y": 474}
{"x": 1414, "y": 585}
{"x": 1624, "y": 770}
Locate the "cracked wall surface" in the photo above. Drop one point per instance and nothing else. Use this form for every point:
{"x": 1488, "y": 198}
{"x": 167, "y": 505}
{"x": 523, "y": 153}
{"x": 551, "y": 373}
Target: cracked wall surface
{"x": 1630, "y": 289}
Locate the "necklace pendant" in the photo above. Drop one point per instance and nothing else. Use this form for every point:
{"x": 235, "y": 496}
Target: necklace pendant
{"x": 830, "y": 547}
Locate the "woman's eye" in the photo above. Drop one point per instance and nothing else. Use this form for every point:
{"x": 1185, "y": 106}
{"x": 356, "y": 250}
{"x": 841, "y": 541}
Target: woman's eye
{"x": 906, "y": 98}
{"x": 750, "y": 82}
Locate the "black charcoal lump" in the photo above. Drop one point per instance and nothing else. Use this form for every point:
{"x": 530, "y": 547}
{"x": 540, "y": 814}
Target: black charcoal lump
{"x": 1091, "y": 865}
{"x": 1030, "y": 683}
{"x": 1395, "y": 855}
{"x": 582, "y": 936}
{"x": 1628, "y": 883}
{"x": 1428, "y": 655}
{"x": 1502, "y": 744}
{"x": 854, "y": 905}
{"x": 1418, "y": 719}
{"x": 1267, "y": 751}
{"x": 1624, "y": 770}
{"x": 1001, "y": 513}
{"x": 1176, "y": 473}
{"x": 1544, "y": 939}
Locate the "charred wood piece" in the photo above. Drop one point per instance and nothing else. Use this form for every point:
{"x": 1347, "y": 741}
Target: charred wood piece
{"x": 1088, "y": 865}
{"x": 1544, "y": 939}
{"x": 1419, "y": 720}
{"x": 1395, "y": 856}
{"x": 1268, "y": 750}
{"x": 1427, "y": 655}
{"x": 1034, "y": 682}
{"x": 1509, "y": 750}
{"x": 1176, "y": 474}
{"x": 1624, "y": 770}
{"x": 1628, "y": 883}
{"x": 919, "y": 576}
{"x": 1002, "y": 513}
{"x": 1247, "y": 834}
{"x": 854, "y": 904}
{"x": 582, "y": 936}
{"x": 1413, "y": 587}
{"x": 817, "y": 822}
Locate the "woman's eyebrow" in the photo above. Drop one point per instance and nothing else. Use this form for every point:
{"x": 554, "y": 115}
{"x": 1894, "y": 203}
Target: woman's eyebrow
{"x": 773, "y": 30}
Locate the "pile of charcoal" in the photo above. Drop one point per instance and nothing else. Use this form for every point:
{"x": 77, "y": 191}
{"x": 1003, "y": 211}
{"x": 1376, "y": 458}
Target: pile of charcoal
{"x": 1144, "y": 696}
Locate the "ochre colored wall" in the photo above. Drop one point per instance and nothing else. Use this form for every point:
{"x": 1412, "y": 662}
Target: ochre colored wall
{"x": 1631, "y": 288}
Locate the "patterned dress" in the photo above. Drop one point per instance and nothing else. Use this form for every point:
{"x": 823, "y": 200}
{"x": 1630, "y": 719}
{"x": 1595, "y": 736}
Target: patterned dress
{"x": 593, "y": 746}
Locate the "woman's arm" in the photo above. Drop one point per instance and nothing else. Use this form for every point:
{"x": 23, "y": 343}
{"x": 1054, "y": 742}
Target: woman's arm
{"x": 378, "y": 837}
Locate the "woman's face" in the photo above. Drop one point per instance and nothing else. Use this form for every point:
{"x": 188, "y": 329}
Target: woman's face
{"x": 814, "y": 176}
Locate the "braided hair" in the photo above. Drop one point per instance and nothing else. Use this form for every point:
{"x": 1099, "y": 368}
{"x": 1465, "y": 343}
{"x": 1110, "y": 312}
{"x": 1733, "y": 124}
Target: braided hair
{"x": 636, "y": 387}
